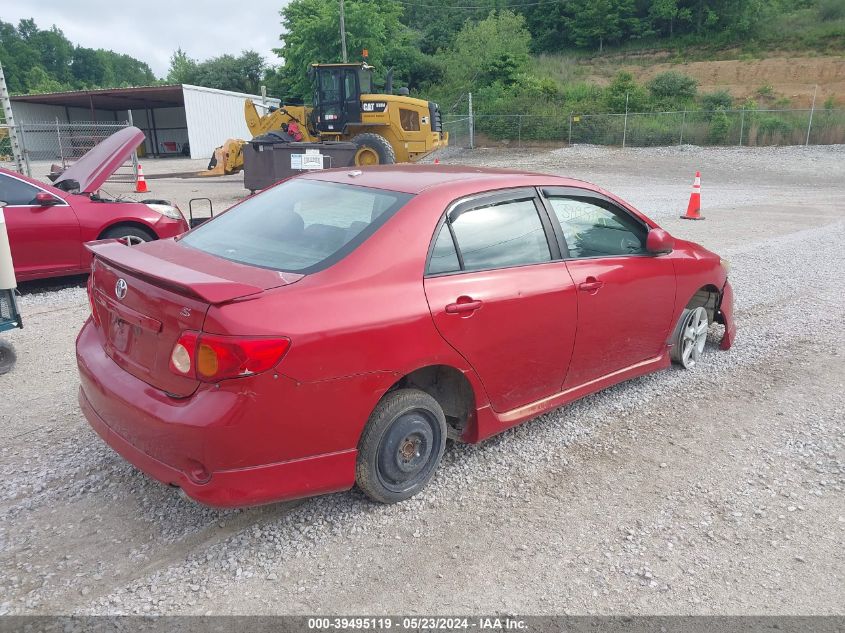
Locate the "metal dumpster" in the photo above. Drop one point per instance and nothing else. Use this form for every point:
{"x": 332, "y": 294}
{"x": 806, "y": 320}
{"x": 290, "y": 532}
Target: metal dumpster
{"x": 268, "y": 162}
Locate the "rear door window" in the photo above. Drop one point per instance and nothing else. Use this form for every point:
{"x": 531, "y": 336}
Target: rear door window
{"x": 299, "y": 226}
{"x": 444, "y": 256}
{"x": 500, "y": 235}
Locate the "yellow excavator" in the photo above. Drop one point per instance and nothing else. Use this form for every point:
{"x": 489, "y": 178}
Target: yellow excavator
{"x": 386, "y": 128}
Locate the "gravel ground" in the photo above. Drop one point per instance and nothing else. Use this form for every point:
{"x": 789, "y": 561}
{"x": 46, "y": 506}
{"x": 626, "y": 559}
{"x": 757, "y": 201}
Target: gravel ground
{"x": 712, "y": 491}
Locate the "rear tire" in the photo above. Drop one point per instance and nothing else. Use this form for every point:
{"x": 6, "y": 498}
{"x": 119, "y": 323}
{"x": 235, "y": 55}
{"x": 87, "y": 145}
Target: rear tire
{"x": 373, "y": 149}
{"x": 7, "y": 357}
{"x": 129, "y": 235}
{"x": 401, "y": 446}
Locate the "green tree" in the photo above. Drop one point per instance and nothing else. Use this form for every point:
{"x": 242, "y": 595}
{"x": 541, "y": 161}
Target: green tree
{"x": 715, "y": 100}
{"x": 664, "y": 14}
{"x": 600, "y": 22}
{"x": 227, "y": 72}
{"x": 88, "y": 68}
{"x": 55, "y": 53}
{"x": 495, "y": 50}
{"x": 547, "y": 23}
{"x": 672, "y": 89}
{"x": 438, "y": 21}
{"x": 311, "y": 35}
{"x": 39, "y": 81}
{"x": 37, "y": 60}
{"x": 624, "y": 92}
{"x": 183, "y": 69}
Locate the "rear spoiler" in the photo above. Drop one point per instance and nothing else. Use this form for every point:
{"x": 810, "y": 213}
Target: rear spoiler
{"x": 188, "y": 281}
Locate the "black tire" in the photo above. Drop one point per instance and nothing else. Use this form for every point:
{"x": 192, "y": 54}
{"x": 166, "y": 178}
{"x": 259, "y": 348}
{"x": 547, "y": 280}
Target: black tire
{"x": 133, "y": 233}
{"x": 401, "y": 446}
{"x": 377, "y": 144}
{"x": 690, "y": 337}
{"x": 7, "y": 357}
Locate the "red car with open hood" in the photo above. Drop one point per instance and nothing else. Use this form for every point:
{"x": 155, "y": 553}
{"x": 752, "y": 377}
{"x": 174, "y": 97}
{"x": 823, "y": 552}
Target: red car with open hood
{"x": 48, "y": 224}
{"x": 339, "y": 327}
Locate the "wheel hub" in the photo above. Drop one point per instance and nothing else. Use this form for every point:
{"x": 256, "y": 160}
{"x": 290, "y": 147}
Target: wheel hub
{"x": 408, "y": 450}
{"x": 693, "y": 337}
{"x": 366, "y": 156}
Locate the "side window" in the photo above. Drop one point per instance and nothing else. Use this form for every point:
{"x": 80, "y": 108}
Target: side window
{"x": 444, "y": 257}
{"x": 501, "y": 235}
{"x": 594, "y": 228}
{"x": 15, "y": 192}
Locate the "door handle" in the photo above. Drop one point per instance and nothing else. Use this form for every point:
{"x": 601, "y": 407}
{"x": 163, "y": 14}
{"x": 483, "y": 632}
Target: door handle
{"x": 463, "y": 305}
{"x": 590, "y": 285}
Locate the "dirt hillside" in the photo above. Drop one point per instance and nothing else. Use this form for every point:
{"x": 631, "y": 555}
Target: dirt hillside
{"x": 790, "y": 77}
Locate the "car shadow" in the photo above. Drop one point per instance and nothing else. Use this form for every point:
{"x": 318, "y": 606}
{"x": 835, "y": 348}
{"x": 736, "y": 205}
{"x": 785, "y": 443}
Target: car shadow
{"x": 41, "y": 286}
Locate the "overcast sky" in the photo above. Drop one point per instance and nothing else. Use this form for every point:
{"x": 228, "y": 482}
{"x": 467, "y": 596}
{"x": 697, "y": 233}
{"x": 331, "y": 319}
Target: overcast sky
{"x": 150, "y": 30}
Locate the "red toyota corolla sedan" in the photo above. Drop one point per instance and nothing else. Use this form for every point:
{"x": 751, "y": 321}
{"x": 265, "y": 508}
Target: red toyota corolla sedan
{"x": 48, "y": 225}
{"x": 339, "y": 327}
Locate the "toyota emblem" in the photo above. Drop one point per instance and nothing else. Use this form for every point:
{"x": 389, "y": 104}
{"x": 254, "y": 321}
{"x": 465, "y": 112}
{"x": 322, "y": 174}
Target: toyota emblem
{"x": 120, "y": 289}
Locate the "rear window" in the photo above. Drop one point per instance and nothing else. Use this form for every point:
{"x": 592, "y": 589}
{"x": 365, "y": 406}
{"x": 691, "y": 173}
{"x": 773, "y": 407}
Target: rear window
{"x": 300, "y": 226}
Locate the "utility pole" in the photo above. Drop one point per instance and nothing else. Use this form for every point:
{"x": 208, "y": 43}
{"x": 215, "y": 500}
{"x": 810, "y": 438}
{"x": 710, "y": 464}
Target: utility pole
{"x": 9, "y": 125}
{"x": 343, "y": 32}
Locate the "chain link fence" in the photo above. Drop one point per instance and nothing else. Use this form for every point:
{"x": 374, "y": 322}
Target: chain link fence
{"x": 49, "y": 143}
{"x": 5, "y": 146}
{"x": 645, "y": 129}
{"x": 5, "y": 141}
{"x": 64, "y": 143}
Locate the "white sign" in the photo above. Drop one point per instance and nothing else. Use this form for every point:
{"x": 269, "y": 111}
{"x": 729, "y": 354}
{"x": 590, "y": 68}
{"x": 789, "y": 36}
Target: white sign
{"x": 311, "y": 159}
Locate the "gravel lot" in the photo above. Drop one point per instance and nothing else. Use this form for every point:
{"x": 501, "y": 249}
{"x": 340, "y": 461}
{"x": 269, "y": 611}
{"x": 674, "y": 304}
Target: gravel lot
{"x": 712, "y": 491}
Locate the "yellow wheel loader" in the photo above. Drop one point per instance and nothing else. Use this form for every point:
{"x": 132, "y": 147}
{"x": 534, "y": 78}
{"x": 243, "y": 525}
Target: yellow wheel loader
{"x": 386, "y": 128}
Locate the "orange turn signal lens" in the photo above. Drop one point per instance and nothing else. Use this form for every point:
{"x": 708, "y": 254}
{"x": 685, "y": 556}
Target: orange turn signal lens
{"x": 207, "y": 362}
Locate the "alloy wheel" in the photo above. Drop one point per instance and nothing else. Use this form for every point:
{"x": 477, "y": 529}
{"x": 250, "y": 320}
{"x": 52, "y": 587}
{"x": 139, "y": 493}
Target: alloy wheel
{"x": 693, "y": 336}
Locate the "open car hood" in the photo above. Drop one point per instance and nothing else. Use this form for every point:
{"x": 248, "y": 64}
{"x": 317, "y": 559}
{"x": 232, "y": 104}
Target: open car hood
{"x": 88, "y": 173}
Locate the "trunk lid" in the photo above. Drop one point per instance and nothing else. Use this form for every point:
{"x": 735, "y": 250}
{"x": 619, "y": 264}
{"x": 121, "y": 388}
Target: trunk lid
{"x": 145, "y": 296}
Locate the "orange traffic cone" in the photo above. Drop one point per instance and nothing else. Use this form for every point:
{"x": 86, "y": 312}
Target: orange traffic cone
{"x": 694, "y": 206}
{"x": 141, "y": 183}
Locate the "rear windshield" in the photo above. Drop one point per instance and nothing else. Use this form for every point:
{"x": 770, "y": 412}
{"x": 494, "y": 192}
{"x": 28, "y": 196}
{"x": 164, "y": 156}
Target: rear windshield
{"x": 300, "y": 226}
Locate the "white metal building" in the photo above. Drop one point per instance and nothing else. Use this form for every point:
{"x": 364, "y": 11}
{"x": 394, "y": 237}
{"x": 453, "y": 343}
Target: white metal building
{"x": 177, "y": 120}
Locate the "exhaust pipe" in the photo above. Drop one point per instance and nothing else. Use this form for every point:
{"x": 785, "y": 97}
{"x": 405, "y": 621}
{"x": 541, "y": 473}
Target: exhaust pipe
{"x": 388, "y": 82}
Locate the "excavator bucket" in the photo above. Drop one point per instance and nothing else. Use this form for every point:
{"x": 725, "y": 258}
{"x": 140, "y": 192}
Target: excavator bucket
{"x": 217, "y": 164}
{"x": 227, "y": 159}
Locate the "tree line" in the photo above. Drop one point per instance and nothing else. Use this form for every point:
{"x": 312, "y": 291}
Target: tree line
{"x": 44, "y": 60}
{"x": 438, "y": 48}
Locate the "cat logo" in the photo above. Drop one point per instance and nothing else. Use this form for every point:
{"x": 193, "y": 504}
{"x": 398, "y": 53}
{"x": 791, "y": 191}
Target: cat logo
{"x": 374, "y": 106}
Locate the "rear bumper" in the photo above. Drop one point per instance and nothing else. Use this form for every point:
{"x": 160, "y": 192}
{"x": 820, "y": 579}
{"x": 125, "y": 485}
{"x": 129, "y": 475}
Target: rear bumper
{"x": 170, "y": 439}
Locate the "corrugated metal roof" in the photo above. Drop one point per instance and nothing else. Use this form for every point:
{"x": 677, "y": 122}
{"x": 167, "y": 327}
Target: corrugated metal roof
{"x": 111, "y": 98}
{"x": 136, "y": 97}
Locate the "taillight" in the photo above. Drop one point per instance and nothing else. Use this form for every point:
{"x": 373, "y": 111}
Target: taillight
{"x": 90, "y": 287}
{"x": 182, "y": 356}
{"x": 212, "y": 357}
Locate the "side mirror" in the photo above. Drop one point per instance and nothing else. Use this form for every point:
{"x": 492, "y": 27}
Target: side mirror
{"x": 659, "y": 242}
{"x": 44, "y": 199}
